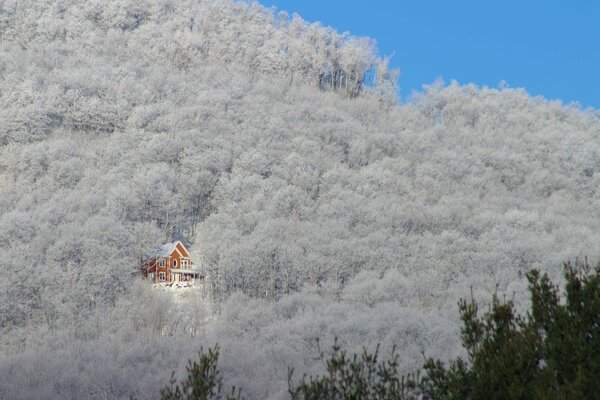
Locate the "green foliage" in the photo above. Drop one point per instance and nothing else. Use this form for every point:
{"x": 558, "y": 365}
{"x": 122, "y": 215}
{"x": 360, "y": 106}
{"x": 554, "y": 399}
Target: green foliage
{"x": 203, "y": 381}
{"x": 552, "y": 353}
{"x": 364, "y": 377}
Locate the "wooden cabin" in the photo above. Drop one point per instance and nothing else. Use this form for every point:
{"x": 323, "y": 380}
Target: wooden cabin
{"x": 170, "y": 263}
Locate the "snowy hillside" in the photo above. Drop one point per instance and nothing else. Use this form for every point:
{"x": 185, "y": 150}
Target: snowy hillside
{"x": 319, "y": 206}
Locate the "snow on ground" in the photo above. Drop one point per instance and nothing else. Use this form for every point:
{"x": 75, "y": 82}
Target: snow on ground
{"x": 183, "y": 292}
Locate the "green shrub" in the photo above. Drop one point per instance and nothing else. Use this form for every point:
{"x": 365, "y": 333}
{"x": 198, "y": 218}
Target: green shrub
{"x": 203, "y": 381}
{"x": 551, "y": 353}
{"x": 364, "y": 377}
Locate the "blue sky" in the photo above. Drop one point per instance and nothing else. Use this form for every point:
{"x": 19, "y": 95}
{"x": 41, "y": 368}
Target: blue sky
{"x": 550, "y": 48}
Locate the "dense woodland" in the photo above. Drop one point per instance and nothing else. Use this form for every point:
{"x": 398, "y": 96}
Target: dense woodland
{"x": 277, "y": 150}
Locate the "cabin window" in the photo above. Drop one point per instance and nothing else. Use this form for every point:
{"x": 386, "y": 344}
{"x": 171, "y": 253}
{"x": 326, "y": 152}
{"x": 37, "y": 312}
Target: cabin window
{"x": 184, "y": 264}
{"x": 162, "y": 276}
{"x": 175, "y": 263}
{"x": 162, "y": 262}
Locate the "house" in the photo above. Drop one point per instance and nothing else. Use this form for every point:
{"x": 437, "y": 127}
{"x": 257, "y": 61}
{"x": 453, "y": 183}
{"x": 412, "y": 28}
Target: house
{"x": 170, "y": 263}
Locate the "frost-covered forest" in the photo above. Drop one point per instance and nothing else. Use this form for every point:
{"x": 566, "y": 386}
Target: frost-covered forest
{"x": 319, "y": 205}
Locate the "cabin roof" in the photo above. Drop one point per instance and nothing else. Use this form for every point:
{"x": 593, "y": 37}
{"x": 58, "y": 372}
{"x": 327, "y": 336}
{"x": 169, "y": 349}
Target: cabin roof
{"x": 165, "y": 250}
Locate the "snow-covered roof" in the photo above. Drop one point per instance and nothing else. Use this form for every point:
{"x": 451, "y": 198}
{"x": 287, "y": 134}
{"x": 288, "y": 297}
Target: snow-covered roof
{"x": 164, "y": 250}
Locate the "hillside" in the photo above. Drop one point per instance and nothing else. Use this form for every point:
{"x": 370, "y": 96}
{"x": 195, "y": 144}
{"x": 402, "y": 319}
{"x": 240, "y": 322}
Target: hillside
{"x": 319, "y": 205}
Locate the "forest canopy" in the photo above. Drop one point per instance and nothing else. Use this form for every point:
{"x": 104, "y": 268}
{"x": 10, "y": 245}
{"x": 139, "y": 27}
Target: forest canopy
{"x": 319, "y": 204}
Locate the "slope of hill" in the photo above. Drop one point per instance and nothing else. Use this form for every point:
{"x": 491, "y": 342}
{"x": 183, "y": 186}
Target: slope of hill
{"x": 319, "y": 206}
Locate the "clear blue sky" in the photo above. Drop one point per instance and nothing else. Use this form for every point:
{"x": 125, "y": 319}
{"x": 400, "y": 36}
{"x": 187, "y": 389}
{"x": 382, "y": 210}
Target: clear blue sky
{"x": 550, "y": 48}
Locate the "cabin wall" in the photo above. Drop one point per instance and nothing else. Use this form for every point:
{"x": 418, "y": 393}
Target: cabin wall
{"x": 175, "y": 257}
{"x": 157, "y": 269}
